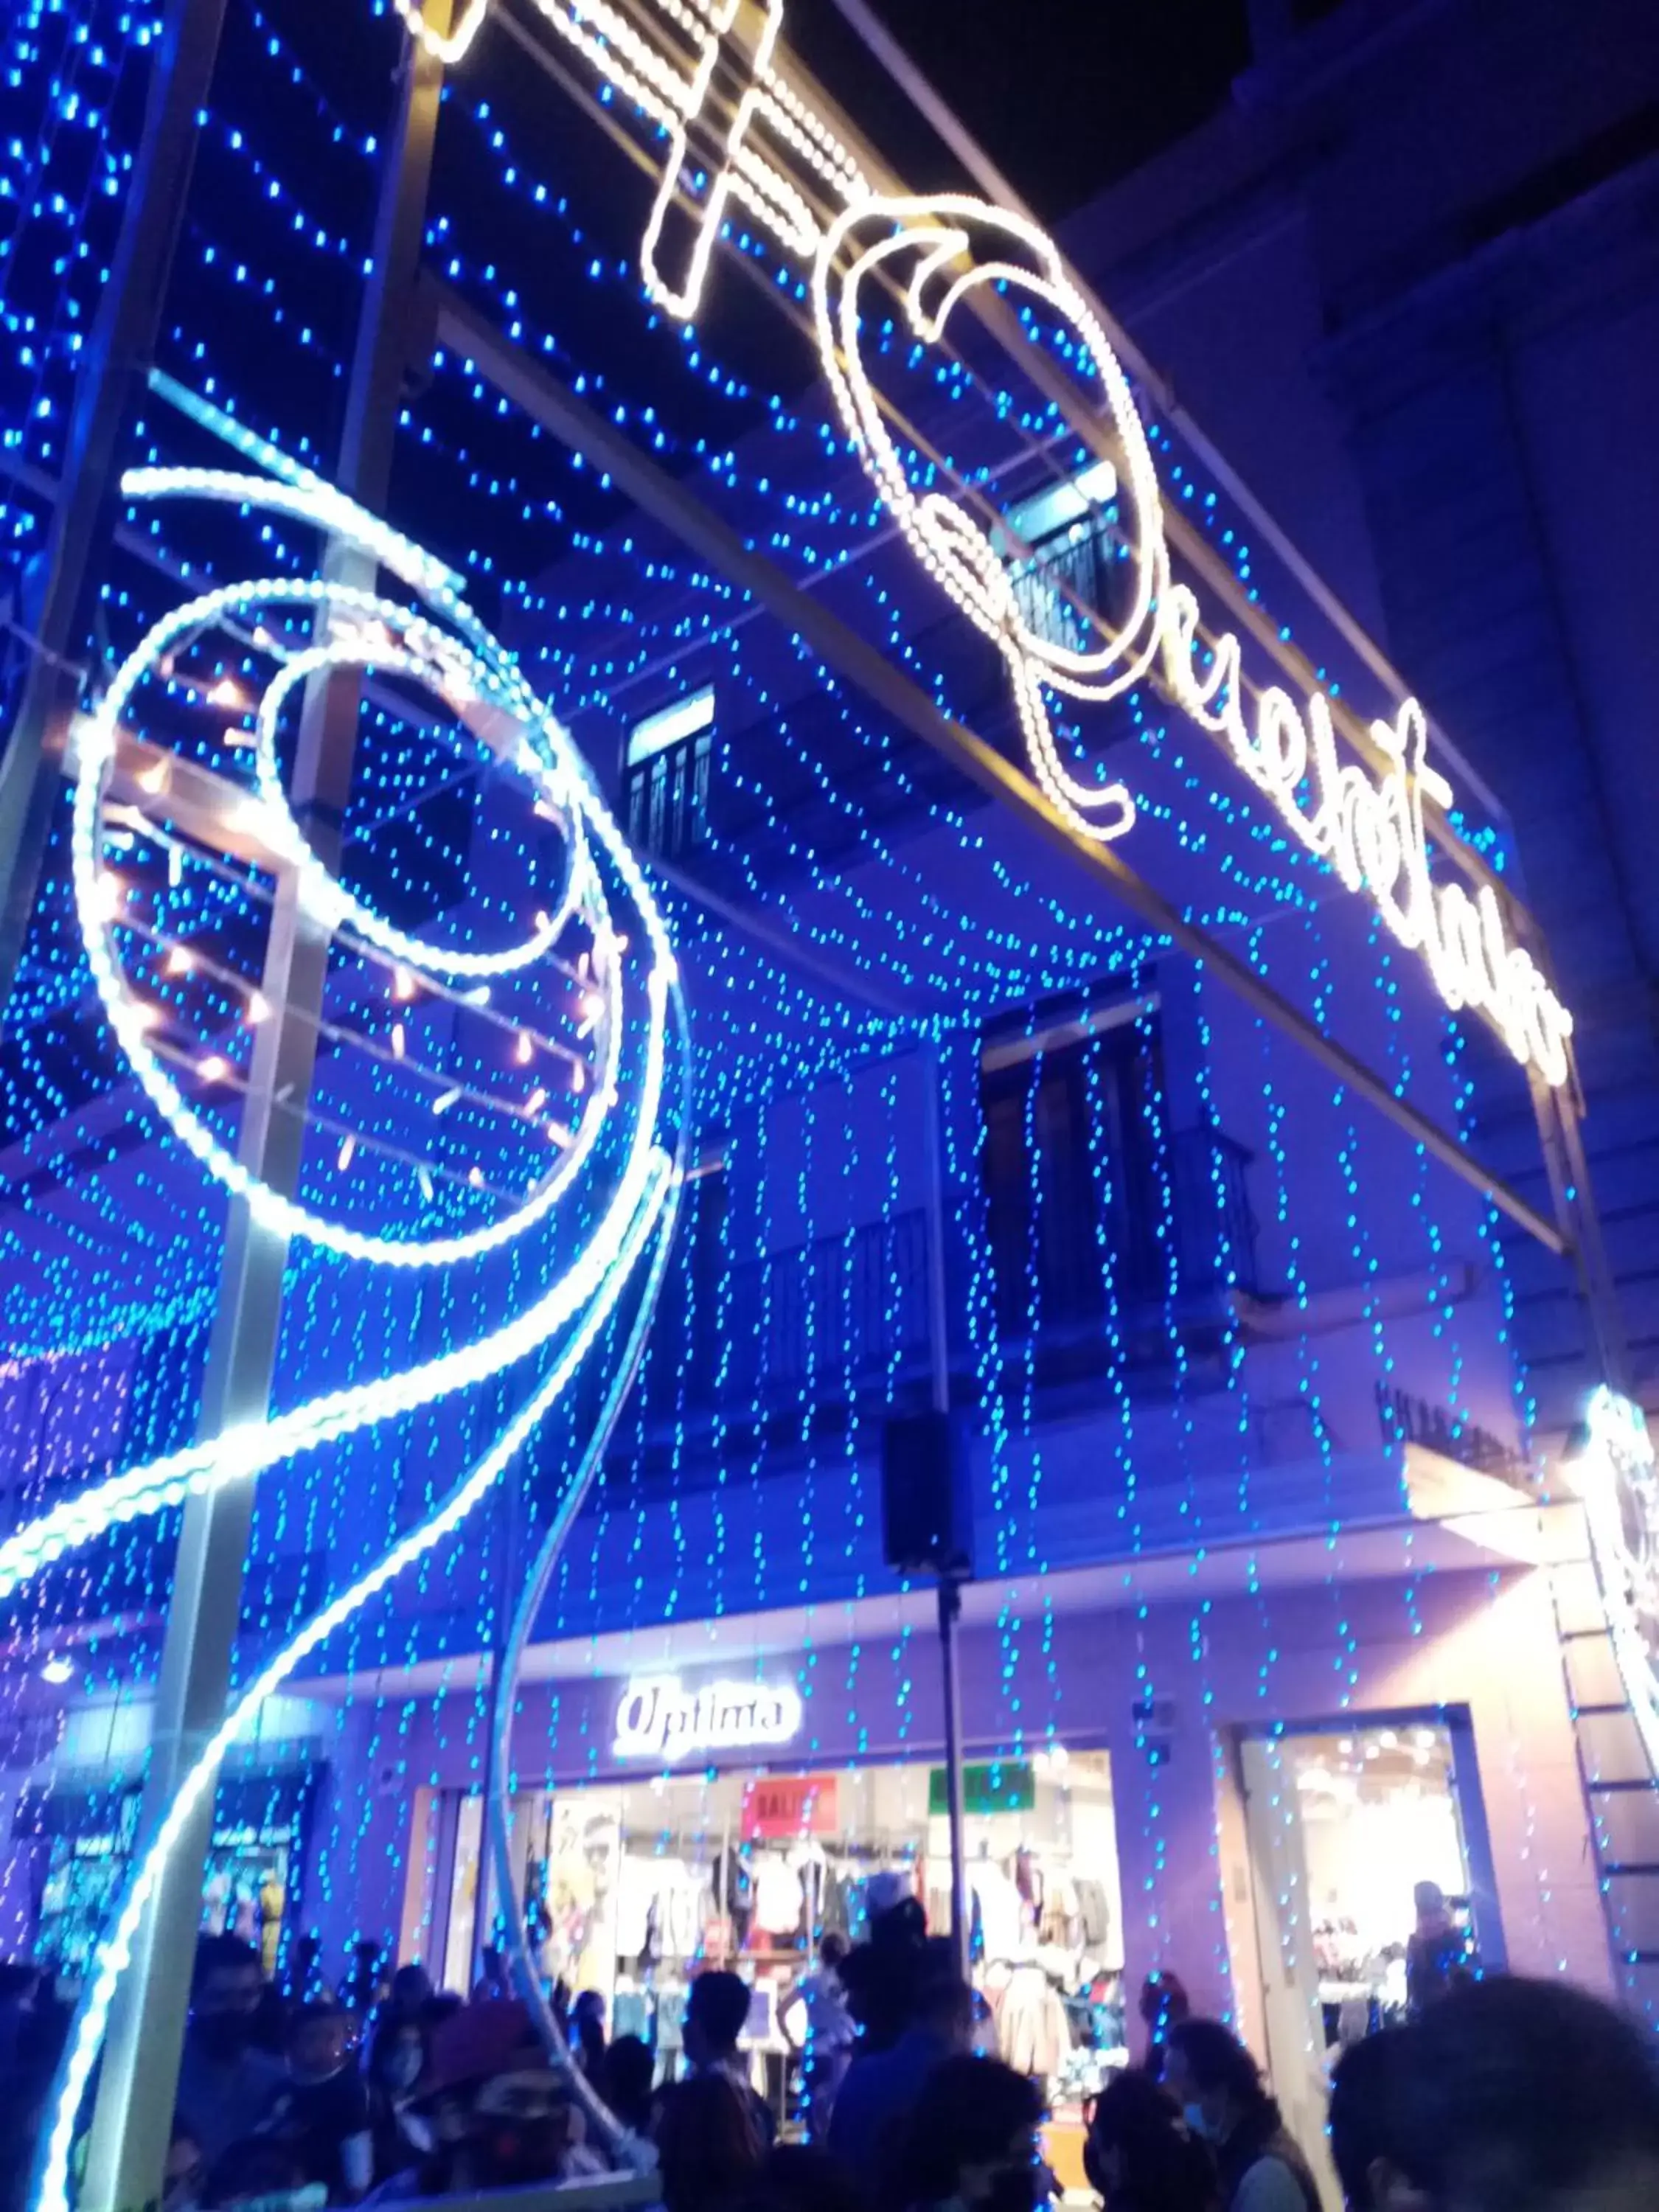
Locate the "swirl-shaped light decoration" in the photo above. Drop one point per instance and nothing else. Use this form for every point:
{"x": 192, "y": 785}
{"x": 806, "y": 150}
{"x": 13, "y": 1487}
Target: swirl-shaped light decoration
{"x": 626, "y": 1000}
{"x": 937, "y": 250}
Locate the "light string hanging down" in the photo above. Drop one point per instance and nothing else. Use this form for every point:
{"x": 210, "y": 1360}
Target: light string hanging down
{"x": 630, "y": 1131}
{"x": 1369, "y": 829}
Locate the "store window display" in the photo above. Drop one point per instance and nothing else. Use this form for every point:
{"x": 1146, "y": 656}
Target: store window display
{"x": 631, "y": 1890}
{"x": 1384, "y": 1833}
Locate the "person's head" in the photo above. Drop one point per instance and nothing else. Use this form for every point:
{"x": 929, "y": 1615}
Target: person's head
{"x": 832, "y": 1949}
{"x": 317, "y": 2041}
{"x": 625, "y": 2080}
{"x": 522, "y": 2126}
{"x": 397, "y": 2057}
{"x": 715, "y": 2012}
{"x": 1140, "y": 2150}
{"x": 224, "y": 1992}
{"x": 588, "y": 2011}
{"x": 1430, "y": 1902}
{"x": 1163, "y": 2001}
{"x": 1363, "y": 2122}
{"x": 185, "y": 2174}
{"x": 1212, "y": 2076}
{"x": 972, "y": 2137}
{"x": 707, "y": 2143}
{"x": 1508, "y": 2096}
{"x": 411, "y": 1987}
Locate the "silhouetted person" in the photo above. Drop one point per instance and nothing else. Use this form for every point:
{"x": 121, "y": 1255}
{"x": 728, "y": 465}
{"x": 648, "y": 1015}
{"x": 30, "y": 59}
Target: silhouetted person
{"x": 1436, "y": 1951}
{"x": 1142, "y": 2155}
{"x": 226, "y": 2085}
{"x": 881, "y": 2088}
{"x": 709, "y": 2144}
{"x": 970, "y": 2140}
{"x": 322, "y": 2112}
{"x": 1219, "y": 2085}
{"x": 716, "y": 2013}
{"x": 1506, "y": 2096}
{"x": 588, "y": 2033}
{"x": 625, "y": 2081}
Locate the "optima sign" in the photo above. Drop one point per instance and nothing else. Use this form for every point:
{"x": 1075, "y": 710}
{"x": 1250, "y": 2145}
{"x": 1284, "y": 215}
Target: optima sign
{"x": 659, "y": 1720}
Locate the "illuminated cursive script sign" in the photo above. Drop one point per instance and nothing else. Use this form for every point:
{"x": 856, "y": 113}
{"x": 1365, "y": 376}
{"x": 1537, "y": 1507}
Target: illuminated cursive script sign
{"x": 1616, "y": 1476}
{"x": 765, "y": 150}
{"x": 657, "y": 1719}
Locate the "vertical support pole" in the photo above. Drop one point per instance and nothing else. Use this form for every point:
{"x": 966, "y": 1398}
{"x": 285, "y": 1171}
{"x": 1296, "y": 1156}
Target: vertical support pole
{"x": 949, "y": 1614}
{"x": 950, "y": 1587}
{"x": 138, "y": 2086}
{"x": 122, "y": 340}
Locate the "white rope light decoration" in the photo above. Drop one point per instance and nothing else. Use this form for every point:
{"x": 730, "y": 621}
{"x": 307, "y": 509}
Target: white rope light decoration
{"x": 457, "y": 660}
{"x": 1368, "y": 827}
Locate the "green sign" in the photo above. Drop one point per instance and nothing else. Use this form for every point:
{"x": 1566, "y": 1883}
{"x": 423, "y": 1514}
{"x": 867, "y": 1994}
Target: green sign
{"x": 1004, "y": 1787}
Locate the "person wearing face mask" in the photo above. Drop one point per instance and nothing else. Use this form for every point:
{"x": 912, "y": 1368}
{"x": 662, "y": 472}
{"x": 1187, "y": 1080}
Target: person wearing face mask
{"x": 971, "y": 2141}
{"x": 322, "y": 2113}
{"x": 1218, "y": 2085}
{"x": 402, "y": 2136}
{"x": 226, "y": 2084}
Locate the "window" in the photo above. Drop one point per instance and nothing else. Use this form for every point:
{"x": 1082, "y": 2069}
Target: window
{"x": 665, "y": 777}
{"x": 1071, "y": 1162}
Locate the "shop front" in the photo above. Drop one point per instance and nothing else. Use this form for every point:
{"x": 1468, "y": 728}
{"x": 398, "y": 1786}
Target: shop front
{"x": 714, "y": 1841}
{"x": 79, "y": 1843}
{"x": 1240, "y": 1771}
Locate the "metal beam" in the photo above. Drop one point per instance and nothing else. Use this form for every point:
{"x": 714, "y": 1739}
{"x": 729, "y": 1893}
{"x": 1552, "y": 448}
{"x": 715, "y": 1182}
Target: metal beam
{"x": 58, "y": 610}
{"x": 138, "y": 2086}
{"x": 558, "y": 409}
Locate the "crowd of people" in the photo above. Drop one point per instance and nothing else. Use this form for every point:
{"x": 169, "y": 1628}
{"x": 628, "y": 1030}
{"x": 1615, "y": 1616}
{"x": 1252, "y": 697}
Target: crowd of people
{"x": 1498, "y": 2095}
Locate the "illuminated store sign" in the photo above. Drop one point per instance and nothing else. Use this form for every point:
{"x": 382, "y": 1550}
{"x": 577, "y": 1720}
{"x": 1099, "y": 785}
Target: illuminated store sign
{"x": 659, "y": 1720}
{"x": 1618, "y": 1479}
{"x": 1368, "y": 826}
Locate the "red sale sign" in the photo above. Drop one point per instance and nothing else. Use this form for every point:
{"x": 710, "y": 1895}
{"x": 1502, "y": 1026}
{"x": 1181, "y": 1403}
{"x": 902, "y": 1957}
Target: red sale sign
{"x": 789, "y": 1805}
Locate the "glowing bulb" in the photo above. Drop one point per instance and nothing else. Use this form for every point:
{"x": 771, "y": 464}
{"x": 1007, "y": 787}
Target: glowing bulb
{"x": 157, "y": 777}
{"x": 180, "y": 961}
{"x": 227, "y": 693}
{"x": 475, "y": 1176}
{"x": 400, "y": 1041}
{"x": 448, "y": 1098}
{"x": 535, "y": 1101}
{"x": 403, "y": 985}
{"x": 525, "y": 1050}
{"x": 259, "y": 1008}
{"x": 215, "y": 1069}
{"x": 346, "y": 1152}
{"x": 57, "y": 1670}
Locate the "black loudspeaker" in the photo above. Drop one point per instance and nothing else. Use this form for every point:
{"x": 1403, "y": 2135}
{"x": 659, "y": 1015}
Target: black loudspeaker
{"x": 926, "y": 1494}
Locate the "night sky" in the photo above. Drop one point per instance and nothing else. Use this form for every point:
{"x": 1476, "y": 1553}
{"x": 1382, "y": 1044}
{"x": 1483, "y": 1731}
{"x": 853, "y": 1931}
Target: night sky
{"x": 1066, "y": 95}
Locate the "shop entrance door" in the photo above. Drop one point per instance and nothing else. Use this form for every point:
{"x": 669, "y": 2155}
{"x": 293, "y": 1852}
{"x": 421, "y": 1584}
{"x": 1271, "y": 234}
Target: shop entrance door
{"x": 1344, "y": 1823}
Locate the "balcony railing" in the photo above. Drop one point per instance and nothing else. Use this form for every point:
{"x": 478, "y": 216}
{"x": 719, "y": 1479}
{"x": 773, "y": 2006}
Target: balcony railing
{"x": 1076, "y": 563}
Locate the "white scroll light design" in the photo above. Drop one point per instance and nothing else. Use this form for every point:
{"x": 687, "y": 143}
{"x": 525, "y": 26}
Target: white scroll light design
{"x": 443, "y": 646}
{"x": 938, "y": 239}
{"x": 1369, "y": 829}
{"x": 1616, "y": 1474}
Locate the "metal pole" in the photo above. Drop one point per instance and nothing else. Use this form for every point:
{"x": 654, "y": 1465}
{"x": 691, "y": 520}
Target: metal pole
{"x": 82, "y": 514}
{"x": 138, "y": 2083}
{"x": 950, "y": 1587}
{"x": 949, "y": 1613}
